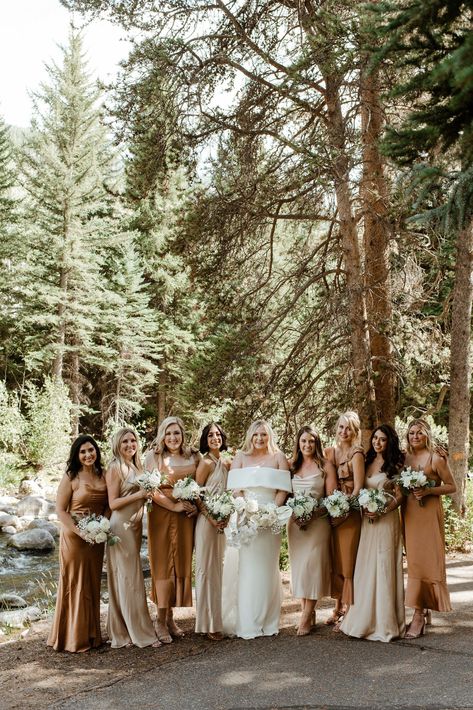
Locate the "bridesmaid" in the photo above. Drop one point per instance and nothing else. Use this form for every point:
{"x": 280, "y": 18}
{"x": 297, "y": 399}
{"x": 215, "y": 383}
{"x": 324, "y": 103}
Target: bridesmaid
{"x": 82, "y": 491}
{"x": 129, "y": 622}
{"x": 348, "y": 458}
{"x": 378, "y": 611}
{"x": 424, "y": 534}
{"x": 209, "y": 542}
{"x": 171, "y": 527}
{"x": 309, "y": 548}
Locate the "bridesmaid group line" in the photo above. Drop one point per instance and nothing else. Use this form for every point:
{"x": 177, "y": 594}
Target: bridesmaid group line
{"x": 356, "y": 560}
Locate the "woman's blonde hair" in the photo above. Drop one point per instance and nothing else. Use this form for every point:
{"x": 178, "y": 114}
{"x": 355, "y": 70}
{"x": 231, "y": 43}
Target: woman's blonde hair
{"x": 158, "y": 445}
{"x": 248, "y": 443}
{"x": 353, "y": 421}
{"x": 425, "y": 429}
{"x": 117, "y": 439}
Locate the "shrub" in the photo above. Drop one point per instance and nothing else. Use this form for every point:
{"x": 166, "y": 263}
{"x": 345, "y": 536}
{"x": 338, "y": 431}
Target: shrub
{"x": 458, "y": 529}
{"x": 48, "y": 431}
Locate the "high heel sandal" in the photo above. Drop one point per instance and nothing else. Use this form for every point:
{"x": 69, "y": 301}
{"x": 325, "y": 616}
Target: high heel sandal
{"x": 334, "y": 618}
{"x": 162, "y": 632}
{"x": 174, "y": 629}
{"x": 428, "y": 617}
{"x": 412, "y": 635}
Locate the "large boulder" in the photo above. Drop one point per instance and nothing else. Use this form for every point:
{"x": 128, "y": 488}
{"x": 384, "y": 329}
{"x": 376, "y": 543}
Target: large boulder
{"x": 12, "y": 601}
{"x": 7, "y": 519}
{"x": 35, "y": 507}
{"x": 8, "y": 504}
{"x": 19, "y": 617}
{"x": 41, "y": 524}
{"x": 9, "y": 530}
{"x": 32, "y": 540}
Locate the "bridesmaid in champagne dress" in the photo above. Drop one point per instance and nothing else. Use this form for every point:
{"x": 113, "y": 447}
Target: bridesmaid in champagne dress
{"x": 378, "y": 611}
{"x": 209, "y": 539}
{"x": 424, "y": 534}
{"x": 309, "y": 546}
{"x": 129, "y": 622}
{"x": 348, "y": 458}
{"x": 171, "y": 527}
{"x": 82, "y": 491}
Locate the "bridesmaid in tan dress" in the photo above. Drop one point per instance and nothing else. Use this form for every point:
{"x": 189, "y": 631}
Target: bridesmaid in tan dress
{"x": 309, "y": 547}
{"x": 209, "y": 540}
{"x": 424, "y": 534}
{"x": 129, "y": 622}
{"x": 348, "y": 458}
{"x": 171, "y": 527}
{"x": 82, "y": 491}
{"x": 378, "y": 611}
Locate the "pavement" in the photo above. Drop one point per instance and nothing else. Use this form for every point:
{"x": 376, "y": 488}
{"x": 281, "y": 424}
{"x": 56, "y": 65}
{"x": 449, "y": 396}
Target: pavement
{"x": 323, "y": 670}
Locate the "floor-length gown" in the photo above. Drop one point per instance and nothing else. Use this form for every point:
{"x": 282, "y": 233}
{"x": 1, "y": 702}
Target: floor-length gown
{"x": 76, "y": 624}
{"x": 378, "y": 611}
{"x": 252, "y": 582}
{"x": 128, "y": 616}
{"x": 209, "y": 554}
{"x": 345, "y": 537}
{"x": 170, "y": 543}
{"x": 310, "y": 549}
{"x": 424, "y": 538}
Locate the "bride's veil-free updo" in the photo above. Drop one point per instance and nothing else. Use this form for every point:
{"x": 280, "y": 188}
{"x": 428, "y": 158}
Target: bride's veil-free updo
{"x": 247, "y": 447}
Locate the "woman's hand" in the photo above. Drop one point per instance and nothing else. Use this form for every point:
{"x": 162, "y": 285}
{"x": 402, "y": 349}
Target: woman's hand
{"x": 420, "y": 493}
{"x": 335, "y": 522}
{"x": 185, "y": 506}
{"x": 371, "y": 516}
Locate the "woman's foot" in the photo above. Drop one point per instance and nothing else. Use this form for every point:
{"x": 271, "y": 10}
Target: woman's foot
{"x": 334, "y": 618}
{"x": 417, "y": 626}
{"x": 162, "y": 632}
{"x": 174, "y": 629}
{"x": 215, "y": 636}
{"x": 157, "y": 644}
{"x": 305, "y": 624}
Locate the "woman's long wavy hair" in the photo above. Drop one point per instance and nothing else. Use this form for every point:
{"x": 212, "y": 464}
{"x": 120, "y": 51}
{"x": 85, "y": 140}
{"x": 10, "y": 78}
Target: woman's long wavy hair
{"x": 158, "y": 445}
{"x": 117, "y": 439}
{"x": 297, "y": 457}
{"x": 248, "y": 448}
{"x": 392, "y": 455}
{"x": 204, "y": 443}
{"x": 426, "y": 430}
{"x": 73, "y": 465}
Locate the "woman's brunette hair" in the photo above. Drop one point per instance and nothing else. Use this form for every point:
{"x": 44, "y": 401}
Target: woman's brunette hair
{"x": 204, "y": 444}
{"x": 297, "y": 457}
{"x": 73, "y": 465}
{"x": 392, "y": 455}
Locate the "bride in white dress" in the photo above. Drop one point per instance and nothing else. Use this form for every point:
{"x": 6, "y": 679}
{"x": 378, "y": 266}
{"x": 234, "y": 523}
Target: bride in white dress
{"x": 252, "y": 591}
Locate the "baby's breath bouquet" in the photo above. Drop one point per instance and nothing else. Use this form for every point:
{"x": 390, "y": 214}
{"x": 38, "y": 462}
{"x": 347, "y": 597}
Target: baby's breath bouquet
{"x": 373, "y": 500}
{"x": 186, "y": 489}
{"x": 150, "y": 481}
{"x": 410, "y": 479}
{"x": 95, "y": 529}
{"x": 338, "y": 504}
{"x": 302, "y": 507}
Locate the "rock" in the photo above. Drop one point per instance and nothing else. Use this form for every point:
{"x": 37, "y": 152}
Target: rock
{"x": 20, "y": 617}
{"x": 30, "y": 487}
{"x": 32, "y": 540}
{"x": 6, "y": 519}
{"x": 9, "y": 530}
{"x": 12, "y": 601}
{"x": 41, "y": 524}
{"x": 35, "y": 507}
{"x": 8, "y": 504}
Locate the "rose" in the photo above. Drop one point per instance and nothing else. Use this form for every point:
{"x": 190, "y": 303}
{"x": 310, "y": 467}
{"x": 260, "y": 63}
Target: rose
{"x": 101, "y": 537}
{"x": 251, "y": 505}
{"x": 105, "y": 524}
{"x": 92, "y": 527}
{"x": 239, "y": 504}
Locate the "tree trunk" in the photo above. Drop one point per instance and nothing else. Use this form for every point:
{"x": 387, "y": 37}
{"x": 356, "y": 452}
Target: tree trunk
{"x": 75, "y": 391}
{"x": 58, "y": 364}
{"x": 374, "y": 196}
{"x": 460, "y": 375}
{"x": 162, "y": 383}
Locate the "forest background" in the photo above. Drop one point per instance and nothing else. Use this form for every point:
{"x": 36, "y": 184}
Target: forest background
{"x": 268, "y": 214}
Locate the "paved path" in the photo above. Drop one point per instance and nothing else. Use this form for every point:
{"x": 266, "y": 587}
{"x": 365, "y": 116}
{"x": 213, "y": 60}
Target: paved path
{"x": 324, "y": 670}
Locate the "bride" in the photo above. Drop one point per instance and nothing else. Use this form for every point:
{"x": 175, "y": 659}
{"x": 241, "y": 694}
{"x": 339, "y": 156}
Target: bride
{"x": 252, "y": 592}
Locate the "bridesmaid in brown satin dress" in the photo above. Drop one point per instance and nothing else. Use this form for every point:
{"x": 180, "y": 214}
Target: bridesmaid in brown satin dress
{"x": 129, "y": 622}
{"x": 424, "y": 535}
{"x": 82, "y": 491}
{"x": 209, "y": 541}
{"x": 171, "y": 527}
{"x": 349, "y": 460}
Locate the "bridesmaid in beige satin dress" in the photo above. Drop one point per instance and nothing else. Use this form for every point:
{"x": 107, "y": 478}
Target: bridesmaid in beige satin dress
{"x": 209, "y": 541}
{"x": 424, "y": 534}
{"x": 349, "y": 460}
{"x": 82, "y": 491}
{"x": 378, "y": 611}
{"x": 171, "y": 527}
{"x": 310, "y": 545}
{"x": 129, "y": 622}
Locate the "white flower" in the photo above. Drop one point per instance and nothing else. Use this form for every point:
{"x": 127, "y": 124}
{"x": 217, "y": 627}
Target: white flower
{"x": 101, "y": 537}
{"x": 105, "y": 524}
{"x": 93, "y": 527}
{"x": 239, "y": 504}
{"x": 372, "y": 506}
{"x": 252, "y": 505}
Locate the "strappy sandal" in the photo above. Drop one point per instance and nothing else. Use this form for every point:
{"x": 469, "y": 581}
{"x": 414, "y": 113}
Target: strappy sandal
{"x": 215, "y": 636}
{"x": 334, "y": 618}
{"x": 162, "y": 633}
{"x": 174, "y": 629}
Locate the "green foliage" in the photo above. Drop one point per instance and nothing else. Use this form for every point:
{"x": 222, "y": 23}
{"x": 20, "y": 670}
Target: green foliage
{"x": 459, "y": 529}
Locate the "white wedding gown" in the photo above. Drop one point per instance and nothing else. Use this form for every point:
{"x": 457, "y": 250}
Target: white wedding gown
{"x": 252, "y": 591}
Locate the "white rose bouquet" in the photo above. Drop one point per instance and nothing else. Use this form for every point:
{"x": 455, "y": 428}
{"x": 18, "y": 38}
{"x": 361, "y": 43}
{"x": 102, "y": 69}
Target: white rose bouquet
{"x": 150, "y": 481}
{"x": 302, "y": 507}
{"x": 186, "y": 489}
{"x": 410, "y": 479}
{"x": 338, "y": 504}
{"x": 273, "y": 517}
{"x": 95, "y": 529}
{"x": 219, "y": 507}
{"x": 242, "y": 525}
{"x": 373, "y": 500}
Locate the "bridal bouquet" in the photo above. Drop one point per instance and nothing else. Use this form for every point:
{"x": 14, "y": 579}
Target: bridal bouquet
{"x": 95, "y": 529}
{"x": 373, "y": 500}
{"x": 150, "y": 481}
{"x": 409, "y": 480}
{"x": 273, "y": 517}
{"x": 250, "y": 516}
{"x": 338, "y": 504}
{"x": 303, "y": 507}
{"x": 186, "y": 489}
{"x": 219, "y": 506}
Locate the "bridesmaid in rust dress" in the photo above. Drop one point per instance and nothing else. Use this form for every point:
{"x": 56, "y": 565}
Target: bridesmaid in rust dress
{"x": 424, "y": 534}
{"x": 171, "y": 527}
{"x": 349, "y": 460}
{"x": 82, "y": 491}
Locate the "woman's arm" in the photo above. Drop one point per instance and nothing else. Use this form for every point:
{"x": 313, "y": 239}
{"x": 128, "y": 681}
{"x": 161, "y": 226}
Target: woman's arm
{"x": 281, "y": 460}
{"x": 115, "y": 502}
{"x": 448, "y": 486}
{"x": 330, "y": 477}
{"x": 63, "y": 500}
{"x": 358, "y": 464}
{"x": 204, "y": 469}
